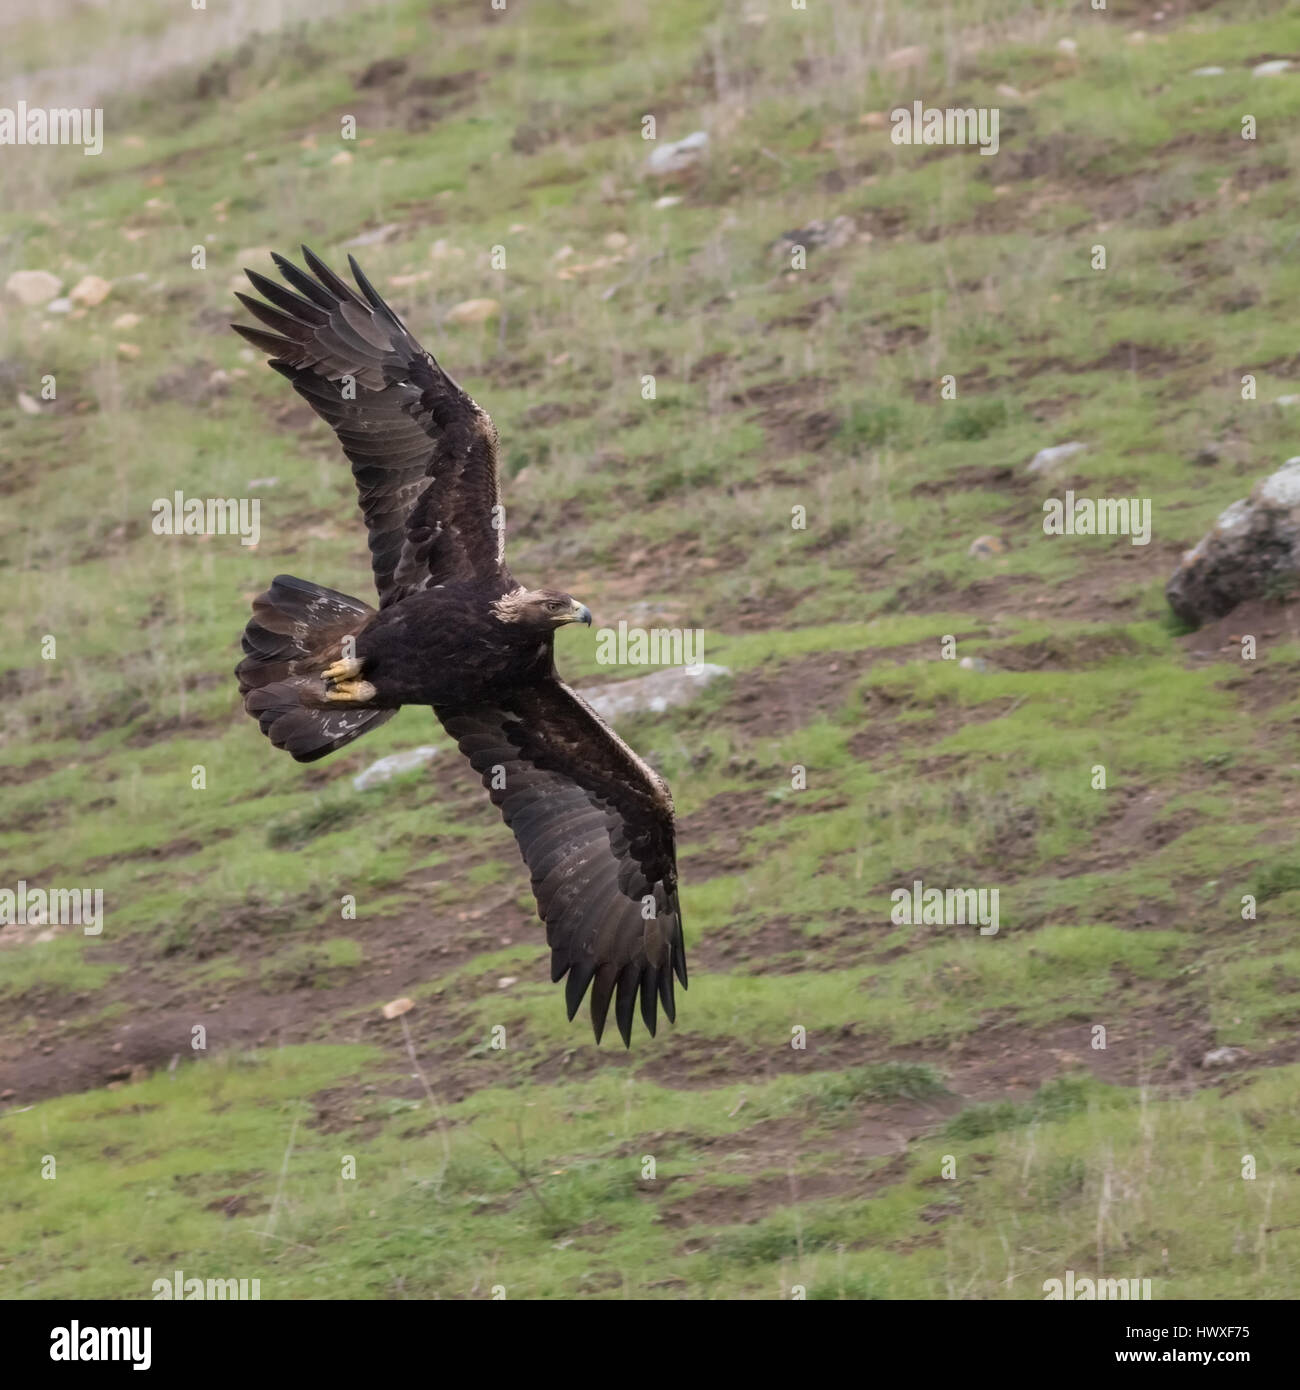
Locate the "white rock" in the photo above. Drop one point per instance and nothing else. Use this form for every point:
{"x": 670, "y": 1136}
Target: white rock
{"x": 473, "y": 311}
{"x": 27, "y": 405}
{"x": 1271, "y": 69}
{"x": 1287, "y": 400}
{"x": 59, "y": 306}
{"x": 126, "y": 321}
{"x": 1281, "y": 489}
{"x": 669, "y": 200}
{"x": 1208, "y": 72}
{"x": 1223, "y": 1056}
{"x": 1067, "y": 46}
{"x": 678, "y": 155}
{"x": 91, "y": 290}
{"x": 909, "y": 57}
{"x": 392, "y": 766}
{"x": 33, "y": 287}
{"x": 1057, "y": 453}
{"x": 660, "y": 690}
{"x": 376, "y": 235}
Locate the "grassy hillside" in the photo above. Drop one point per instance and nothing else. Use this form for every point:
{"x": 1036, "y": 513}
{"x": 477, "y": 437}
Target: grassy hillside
{"x": 951, "y": 1128}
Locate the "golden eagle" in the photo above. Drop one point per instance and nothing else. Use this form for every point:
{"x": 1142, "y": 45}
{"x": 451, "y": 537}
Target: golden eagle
{"x": 455, "y": 630}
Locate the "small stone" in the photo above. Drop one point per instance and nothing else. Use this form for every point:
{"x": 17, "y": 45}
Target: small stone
{"x": 128, "y": 350}
{"x": 394, "y": 765}
{"x": 343, "y": 157}
{"x": 985, "y": 547}
{"x": 669, "y": 200}
{"x": 1208, "y": 72}
{"x": 59, "y": 306}
{"x": 1057, "y": 453}
{"x": 125, "y": 322}
{"x": 33, "y": 287}
{"x": 507, "y": 980}
{"x": 91, "y": 290}
{"x": 27, "y": 405}
{"x": 1224, "y": 1057}
{"x": 473, "y": 311}
{"x": 678, "y": 155}
{"x": 1067, "y": 46}
{"x": 397, "y": 1007}
{"x": 1272, "y": 68}
{"x": 912, "y": 56}
{"x": 974, "y": 663}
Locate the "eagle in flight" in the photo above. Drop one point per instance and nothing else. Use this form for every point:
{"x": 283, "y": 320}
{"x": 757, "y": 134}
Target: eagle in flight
{"x": 455, "y": 630}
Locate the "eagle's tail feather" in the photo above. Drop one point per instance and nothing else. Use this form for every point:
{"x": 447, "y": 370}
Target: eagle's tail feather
{"x": 296, "y": 631}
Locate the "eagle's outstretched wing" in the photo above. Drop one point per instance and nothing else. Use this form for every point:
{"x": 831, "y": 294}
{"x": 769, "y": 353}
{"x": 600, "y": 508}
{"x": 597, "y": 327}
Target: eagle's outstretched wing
{"x": 423, "y": 454}
{"x": 595, "y": 827}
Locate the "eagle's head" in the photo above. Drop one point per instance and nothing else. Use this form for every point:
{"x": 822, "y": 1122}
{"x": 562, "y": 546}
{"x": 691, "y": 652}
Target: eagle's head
{"x": 540, "y": 609}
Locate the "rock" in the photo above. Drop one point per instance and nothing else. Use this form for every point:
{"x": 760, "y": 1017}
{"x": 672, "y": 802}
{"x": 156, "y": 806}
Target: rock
{"x": 33, "y": 287}
{"x": 839, "y": 231}
{"x": 1208, "y": 72}
{"x": 985, "y": 547}
{"x": 27, "y": 405}
{"x": 669, "y": 200}
{"x": 59, "y": 306}
{"x": 1287, "y": 400}
{"x": 1046, "y": 459}
{"x": 376, "y": 236}
{"x": 1252, "y": 550}
{"x": 1067, "y": 46}
{"x": 125, "y": 322}
{"x": 90, "y": 290}
{"x": 128, "y": 350}
{"x": 397, "y": 1007}
{"x": 660, "y": 690}
{"x": 1271, "y": 69}
{"x": 679, "y": 155}
{"x": 1009, "y": 93}
{"x": 910, "y": 57}
{"x": 507, "y": 980}
{"x": 974, "y": 663}
{"x": 473, "y": 311}
{"x": 343, "y": 157}
{"x": 1224, "y": 1057}
{"x": 393, "y": 765}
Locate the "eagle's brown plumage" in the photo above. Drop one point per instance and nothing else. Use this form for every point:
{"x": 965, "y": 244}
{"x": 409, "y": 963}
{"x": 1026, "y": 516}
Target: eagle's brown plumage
{"x": 456, "y": 631}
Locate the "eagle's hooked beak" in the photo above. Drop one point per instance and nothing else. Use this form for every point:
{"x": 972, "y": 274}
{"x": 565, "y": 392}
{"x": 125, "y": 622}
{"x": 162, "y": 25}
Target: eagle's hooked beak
{"x": 581, "y": 613}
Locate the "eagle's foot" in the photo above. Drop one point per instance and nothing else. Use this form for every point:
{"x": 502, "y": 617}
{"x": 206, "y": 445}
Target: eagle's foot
{"x": 350, "y": 692}
{"x": 346, "y": 669}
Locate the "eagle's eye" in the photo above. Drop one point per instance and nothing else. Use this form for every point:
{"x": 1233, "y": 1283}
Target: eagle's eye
{"x": 554, "y": 605}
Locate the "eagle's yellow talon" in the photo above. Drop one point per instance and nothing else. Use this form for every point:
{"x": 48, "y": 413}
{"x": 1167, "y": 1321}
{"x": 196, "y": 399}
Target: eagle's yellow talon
{"x": 346, "y": 669}
{"x": 351, "y": 693}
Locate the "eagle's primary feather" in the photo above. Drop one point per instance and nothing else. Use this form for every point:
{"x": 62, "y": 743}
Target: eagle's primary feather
{"x": 455, "y": 630}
